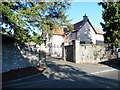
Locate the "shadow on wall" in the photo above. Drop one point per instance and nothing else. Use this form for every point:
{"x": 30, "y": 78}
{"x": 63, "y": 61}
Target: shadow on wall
{"x": 16, "y": 56}
{"x": 88, "y": 37}
{"x": 85, "y": 35}
{"x": 113, "y": 60}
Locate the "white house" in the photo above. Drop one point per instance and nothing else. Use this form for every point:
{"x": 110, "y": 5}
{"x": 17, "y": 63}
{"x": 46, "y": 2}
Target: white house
{"x": 54, "y": 44}
{"x": 85, "y": 32}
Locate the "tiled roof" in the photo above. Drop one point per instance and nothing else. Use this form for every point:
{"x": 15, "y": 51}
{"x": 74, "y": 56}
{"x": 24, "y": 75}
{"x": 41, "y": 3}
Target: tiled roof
{"x": 98, "y": 31}
{"x": 58, "y": 31}
{"x": 78, "y": 24}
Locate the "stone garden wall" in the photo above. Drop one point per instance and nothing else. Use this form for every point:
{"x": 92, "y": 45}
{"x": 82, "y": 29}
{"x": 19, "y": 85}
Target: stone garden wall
{"x": 93, "y": 53}
{"x": 16, "y": 56}
{"x": 89, "y": 53}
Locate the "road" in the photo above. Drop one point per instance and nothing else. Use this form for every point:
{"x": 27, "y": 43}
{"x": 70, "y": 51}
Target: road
{"x": 107, "y": 80}
{"x": 69, "y": 75}
{"x": 110, "y": 75}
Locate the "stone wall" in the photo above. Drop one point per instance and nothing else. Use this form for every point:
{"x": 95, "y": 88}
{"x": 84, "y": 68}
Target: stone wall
{"x": 93, "y": 53}
{"x": 16, "y": 56}
{"x": 0, "y": 55}
{"x": 90, "y": 53}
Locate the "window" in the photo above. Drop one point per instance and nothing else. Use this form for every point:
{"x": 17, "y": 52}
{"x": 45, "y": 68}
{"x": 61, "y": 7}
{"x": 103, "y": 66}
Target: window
{"x": 91, "y": 42}
{"x": 82, "y": 42}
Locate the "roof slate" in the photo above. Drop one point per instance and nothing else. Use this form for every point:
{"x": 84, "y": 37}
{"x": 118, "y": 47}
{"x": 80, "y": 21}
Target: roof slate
{"x": 79, "y": 24}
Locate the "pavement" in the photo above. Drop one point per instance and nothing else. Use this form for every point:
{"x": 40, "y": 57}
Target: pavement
{"x": 88, "y": 68}
{"x": 63, "y": 74}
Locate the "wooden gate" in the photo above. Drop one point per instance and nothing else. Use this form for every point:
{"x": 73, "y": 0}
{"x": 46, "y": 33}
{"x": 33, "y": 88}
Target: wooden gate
{"x": 69, "y": 53}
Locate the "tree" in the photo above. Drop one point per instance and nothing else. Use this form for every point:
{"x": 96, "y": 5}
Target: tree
{"x": 36, "y": 38}
{"x": 111, "y": 17}
{"x": 23, "y": 17}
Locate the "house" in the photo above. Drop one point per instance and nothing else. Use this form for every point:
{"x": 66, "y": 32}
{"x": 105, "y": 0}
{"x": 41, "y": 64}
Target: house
{"x": 85, "y": 32}
{"x": 54, "y": 44}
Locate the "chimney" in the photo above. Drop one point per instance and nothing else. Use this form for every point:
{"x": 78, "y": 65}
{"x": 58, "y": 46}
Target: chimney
{"x": 85, "y": 17}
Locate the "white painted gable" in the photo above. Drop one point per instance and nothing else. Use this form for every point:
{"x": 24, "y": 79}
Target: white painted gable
{"x": 86, "y": 34}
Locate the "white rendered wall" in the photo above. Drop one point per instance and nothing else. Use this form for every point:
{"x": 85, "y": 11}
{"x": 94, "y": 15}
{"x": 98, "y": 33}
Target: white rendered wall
{"x": 87, "y": 34}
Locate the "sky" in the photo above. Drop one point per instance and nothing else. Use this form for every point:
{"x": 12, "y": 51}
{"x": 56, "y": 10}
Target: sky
{"x": 91, "y": 9}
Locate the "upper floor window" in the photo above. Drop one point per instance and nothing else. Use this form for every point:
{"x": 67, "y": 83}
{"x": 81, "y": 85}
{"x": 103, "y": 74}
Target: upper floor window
{"x": 91, "y": 42}
{"x": 82, "y": 42}
{"x": 88, "y": 29}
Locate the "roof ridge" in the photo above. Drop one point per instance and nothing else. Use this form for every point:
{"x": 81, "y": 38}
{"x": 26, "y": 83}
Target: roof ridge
{"x": 79, "y": 21}
{"x": 78, "y": 24}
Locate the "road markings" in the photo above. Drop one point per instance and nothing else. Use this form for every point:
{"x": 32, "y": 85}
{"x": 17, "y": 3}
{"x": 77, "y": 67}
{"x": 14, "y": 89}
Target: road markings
{"x": 103, "y": 71}
{"x": 41, "y": 73}
{"x": 13, "y": 85}
{"x": 22, "y": 78}
{"x": 94, "y": 73}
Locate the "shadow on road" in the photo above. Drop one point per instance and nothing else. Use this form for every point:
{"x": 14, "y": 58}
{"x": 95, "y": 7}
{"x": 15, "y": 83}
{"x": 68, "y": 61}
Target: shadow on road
{"x": 67, "y": 76}
{"x": 75, "y": 75}
{"x": 115, "y": 63}
{"x": 21, "y": 73}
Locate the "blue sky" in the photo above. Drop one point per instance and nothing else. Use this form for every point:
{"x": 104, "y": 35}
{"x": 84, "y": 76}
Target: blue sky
{"x": 91, "y": 9}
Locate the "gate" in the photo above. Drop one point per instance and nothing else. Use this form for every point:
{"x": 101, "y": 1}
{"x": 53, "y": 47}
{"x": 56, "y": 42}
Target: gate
{"x": 56, "y": 52}
{"x": 69, "y": 53}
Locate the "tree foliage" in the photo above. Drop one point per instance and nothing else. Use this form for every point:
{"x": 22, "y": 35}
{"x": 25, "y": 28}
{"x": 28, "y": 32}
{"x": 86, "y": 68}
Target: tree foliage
{"x": 23, "y": 17}
{"x": 36, "y": 38}
{"x": 111, "y": 17}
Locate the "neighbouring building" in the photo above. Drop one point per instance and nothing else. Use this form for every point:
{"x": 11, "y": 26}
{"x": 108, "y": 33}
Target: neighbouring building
{"x": 85, "y": 32}
{"x": 54, "y": 44}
